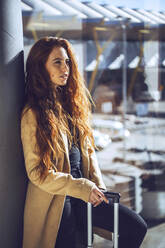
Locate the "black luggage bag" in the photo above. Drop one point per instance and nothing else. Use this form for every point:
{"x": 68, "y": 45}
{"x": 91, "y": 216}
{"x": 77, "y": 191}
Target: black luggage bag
{"x": 115, "y": 198}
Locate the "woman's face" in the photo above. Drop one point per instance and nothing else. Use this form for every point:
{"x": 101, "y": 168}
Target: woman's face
{"x": 58, "y": 66}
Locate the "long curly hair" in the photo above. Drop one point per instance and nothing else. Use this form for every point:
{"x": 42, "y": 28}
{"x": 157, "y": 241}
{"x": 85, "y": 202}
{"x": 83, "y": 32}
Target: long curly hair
{"x": 53, "y": 107}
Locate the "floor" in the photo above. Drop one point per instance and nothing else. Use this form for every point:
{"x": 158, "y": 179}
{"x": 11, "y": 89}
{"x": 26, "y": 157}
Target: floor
{"x": 155, "y": 238}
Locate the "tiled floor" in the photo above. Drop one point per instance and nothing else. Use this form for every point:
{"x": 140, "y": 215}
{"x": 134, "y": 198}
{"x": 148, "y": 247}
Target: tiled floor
{"x": 155, "y": 238}
{"x": 101, "y": 243}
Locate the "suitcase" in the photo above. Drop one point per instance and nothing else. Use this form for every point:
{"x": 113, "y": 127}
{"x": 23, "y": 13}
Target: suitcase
{"x": 115, "y": 198}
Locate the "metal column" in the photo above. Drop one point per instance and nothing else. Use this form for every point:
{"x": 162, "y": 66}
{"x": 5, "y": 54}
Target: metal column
{"x": 12, "y": 176}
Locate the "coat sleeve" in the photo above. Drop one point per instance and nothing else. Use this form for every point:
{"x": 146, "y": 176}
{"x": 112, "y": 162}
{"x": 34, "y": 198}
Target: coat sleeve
{"x": 95, "y": 172}
{"x": 56, "y": 183}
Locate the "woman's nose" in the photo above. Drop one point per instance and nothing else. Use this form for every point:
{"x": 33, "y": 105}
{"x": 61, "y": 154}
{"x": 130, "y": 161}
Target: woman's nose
{"x": 65, "y": 67}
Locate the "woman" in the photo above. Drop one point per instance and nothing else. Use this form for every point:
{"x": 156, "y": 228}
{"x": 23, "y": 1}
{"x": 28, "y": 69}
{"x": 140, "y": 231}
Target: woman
{"x": 59, "y": 155}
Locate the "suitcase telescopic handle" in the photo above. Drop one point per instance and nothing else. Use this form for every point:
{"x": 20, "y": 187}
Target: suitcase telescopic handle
{"x": 116, "y": 198}
{"x": 113, "y": 195}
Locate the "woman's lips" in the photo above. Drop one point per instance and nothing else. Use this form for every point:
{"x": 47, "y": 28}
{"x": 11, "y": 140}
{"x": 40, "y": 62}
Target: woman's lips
{"x": 64, "y": 76}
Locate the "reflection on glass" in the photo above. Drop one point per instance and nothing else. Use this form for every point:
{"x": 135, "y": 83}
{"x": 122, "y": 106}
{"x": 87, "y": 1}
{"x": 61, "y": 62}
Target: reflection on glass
{"x": 127, "y": 85}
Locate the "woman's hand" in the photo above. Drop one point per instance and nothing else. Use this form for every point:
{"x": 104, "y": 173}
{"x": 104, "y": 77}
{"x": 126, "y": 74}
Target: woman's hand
{"x": 96, "y": 196}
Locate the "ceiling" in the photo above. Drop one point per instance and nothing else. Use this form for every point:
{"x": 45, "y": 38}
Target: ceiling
{"x": 77, "y": 20}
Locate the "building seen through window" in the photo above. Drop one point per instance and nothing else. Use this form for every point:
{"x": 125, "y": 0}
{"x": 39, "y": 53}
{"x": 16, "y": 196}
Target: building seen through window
{"x": 121, "y": 54}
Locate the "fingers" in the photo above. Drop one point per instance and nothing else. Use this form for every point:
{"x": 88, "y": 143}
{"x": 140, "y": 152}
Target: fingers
{"x": 100, "y": 195}
{"x": 103, "y": 197}
{"x": 96, "y": 197}
{"x": 98, "y": 202}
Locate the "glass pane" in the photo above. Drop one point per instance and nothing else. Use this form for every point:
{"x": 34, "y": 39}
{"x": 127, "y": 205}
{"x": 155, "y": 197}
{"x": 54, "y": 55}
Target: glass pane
{"x": 120, "y": 50}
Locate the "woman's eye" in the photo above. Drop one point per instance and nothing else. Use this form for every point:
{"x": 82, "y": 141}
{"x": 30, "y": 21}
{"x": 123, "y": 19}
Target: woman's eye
{"x": 57, "y": 62}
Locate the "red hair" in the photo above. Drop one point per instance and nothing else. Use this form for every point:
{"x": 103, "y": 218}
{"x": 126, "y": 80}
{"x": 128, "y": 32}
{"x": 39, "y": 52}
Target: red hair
{"x": 52, "y": 107}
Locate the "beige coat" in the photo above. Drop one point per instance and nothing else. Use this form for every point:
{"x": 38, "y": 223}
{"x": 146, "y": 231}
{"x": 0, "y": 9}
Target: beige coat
{"x": 44, "y": 202}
